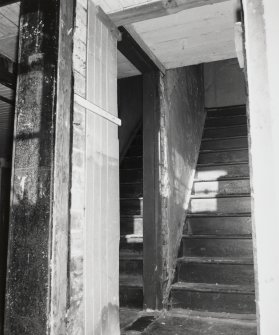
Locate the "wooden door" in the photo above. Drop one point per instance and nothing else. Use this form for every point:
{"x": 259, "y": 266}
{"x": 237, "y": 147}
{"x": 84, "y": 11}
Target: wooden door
{"x": 100, "y": 152}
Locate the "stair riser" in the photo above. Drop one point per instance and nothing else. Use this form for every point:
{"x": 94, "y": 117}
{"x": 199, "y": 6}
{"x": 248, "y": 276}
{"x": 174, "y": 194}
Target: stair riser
{"x": 131, "y": 207}
{"x": 221, "y": 205}
{"x": 131, "y": 176}
{"x": 130, "y": 296}
{"x": 222, "y": 171}
{"x": 135, "y": 150}
{"x": 130, "y": 226}
{"x": 131, "y": 248}
{"x": 235, "y": 274}
{"x": 223, "y": 157}
{"x": 226, "y": 121}
{"x": 221, "y": 187}
{"x": 218, "y": 226}
{"x": 234, "y": 111}
{"x": 132, "y": 163}
{"x": 214, "y": 302}
{"x": 225, "y": 132}
{"x": 131, "y": 267}
{"x": 222, "y": 247}
{"x": 131, "y": 190}
{"x": 231, "y": 143}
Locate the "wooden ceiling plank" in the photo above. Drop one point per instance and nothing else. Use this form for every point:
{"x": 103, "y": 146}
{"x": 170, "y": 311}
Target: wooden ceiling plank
{"x": 156, "y": 9}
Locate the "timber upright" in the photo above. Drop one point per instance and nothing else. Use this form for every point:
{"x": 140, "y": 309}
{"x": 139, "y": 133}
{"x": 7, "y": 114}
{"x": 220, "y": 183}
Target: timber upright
{"x": 36, "y": 293}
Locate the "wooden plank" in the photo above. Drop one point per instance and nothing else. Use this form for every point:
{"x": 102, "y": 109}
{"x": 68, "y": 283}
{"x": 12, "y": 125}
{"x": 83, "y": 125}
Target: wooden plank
{"x": 97, "y": 110}
{"x": 156, "y": 9}
{"x": 152, "y": 248}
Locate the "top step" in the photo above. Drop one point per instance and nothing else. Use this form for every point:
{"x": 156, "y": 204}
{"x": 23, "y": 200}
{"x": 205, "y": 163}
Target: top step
{"x": 226, "y": 111}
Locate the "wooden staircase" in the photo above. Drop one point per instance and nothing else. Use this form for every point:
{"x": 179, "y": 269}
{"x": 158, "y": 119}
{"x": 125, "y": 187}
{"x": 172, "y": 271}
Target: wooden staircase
{"x": 215, "y": 271}
{"x": 131, "y": 227}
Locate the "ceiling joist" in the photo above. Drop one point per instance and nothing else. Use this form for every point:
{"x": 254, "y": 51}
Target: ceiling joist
{"x": 157, "y": 9}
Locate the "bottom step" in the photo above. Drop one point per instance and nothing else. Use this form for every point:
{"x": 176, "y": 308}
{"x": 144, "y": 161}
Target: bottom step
{"x": 213, "y": 298}
{"x": 131, "y": 291}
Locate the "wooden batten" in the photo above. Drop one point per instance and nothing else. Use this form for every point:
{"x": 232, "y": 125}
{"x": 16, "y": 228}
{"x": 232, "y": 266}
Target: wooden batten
{"x": 156, "y": 9}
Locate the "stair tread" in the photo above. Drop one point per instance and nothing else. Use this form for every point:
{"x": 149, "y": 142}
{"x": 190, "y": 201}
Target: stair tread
{"x": 221, "y": 164}
{"x": 130, "y": 256}
{"x": 213, "y": 195}
{"x": 214, "y": 214}
{"x": 218, "y": 288}
{"x": 130, "y": 280}
{"x": 207, "y": 151}
{"x": 215, "y": 236}
{"x": 226, "y": 126}
{"x": 216, "y": 260}
{"x": 200, "y": 180}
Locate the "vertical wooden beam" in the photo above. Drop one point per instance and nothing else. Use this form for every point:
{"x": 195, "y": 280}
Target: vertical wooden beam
{"x": 36, "y": 298}
{"x": 152, "y": 249}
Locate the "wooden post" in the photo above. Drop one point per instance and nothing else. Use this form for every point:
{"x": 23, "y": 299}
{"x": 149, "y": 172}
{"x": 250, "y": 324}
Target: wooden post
{"x": 152, "y": 249}
{"x": 36, "y": 295}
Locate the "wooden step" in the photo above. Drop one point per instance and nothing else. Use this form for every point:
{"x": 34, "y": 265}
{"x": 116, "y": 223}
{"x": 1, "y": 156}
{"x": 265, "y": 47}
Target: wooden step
{"x": 233, "y": 271}
{"x": 222, "y": 187}
{"x": 131, "y": 176}
{"x": 132, "y": 190}
{"x": 226, "y": 143}
{"x": 131, "y": 225}
{"x": 224, "y": 132}
{"x": 130, "y": 265}
{"x": 227, "y": 111}
{"x": 227, "y": 120}
{"x": 217, "y": 246}
{"x": 131, "y": 207}
{"x": 238, "y": 155}
{"x": 135, "y": 150}
{"x": 213, "y": 298}
{"x": 218, "y": 225}
{"x": 222, "y": 171}
{"x": 130, "y": 291}
{"x": 132, "y": 163}
{"x": 132, "y": 248}
{"x": 220, "y": 205}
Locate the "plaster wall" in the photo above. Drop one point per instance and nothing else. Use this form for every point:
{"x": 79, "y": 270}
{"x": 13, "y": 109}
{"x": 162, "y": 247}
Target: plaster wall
{"x": 224, "y": 84}
{"x": 182, "y": 120}
{"x": 262, "y": 52}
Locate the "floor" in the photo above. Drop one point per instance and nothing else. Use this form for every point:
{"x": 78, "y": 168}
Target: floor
{"x": 187, "y": 323}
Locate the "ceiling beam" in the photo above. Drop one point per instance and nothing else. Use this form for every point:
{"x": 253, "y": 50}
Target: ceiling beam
{"x": 135, "y": 54}
{"x": 7, "y": 2}
{"x": 156, "y": 9}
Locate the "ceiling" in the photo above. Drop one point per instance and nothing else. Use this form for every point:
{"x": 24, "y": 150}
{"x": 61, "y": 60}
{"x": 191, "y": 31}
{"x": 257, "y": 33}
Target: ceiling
{"x": 9, "y": 16}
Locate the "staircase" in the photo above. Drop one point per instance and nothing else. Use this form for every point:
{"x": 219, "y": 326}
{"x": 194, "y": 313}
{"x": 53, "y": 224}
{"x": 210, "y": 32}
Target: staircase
{"x": 215, "y": 271}
{"x": 131, "y": 227}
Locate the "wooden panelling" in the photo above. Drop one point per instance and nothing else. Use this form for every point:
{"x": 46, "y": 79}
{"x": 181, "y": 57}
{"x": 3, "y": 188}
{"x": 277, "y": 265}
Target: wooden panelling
{"x": 101, "y": 175}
